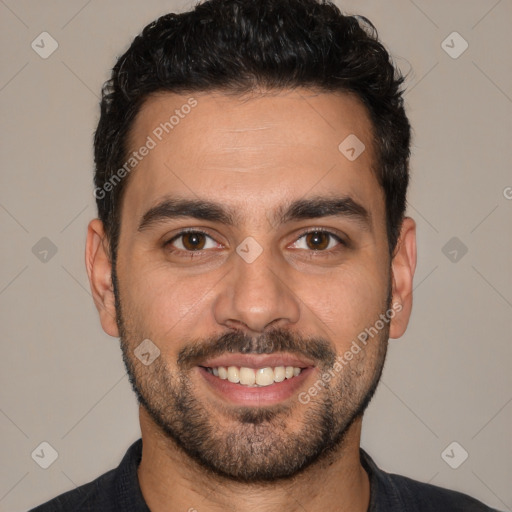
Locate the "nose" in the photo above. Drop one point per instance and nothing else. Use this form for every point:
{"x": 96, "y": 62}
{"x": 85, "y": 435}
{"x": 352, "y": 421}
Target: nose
{"x": 256, "y": 296}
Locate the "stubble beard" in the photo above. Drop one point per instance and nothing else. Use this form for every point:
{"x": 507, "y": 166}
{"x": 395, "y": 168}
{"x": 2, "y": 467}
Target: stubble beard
{"x": 255, "y": 444}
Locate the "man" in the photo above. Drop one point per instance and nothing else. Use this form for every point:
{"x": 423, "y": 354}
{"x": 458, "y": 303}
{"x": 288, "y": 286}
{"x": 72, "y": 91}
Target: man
{"x": 253, "y": 256}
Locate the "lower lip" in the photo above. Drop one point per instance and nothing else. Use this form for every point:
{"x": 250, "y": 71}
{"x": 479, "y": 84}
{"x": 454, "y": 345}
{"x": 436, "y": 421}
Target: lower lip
{"x": 257, "y": 395}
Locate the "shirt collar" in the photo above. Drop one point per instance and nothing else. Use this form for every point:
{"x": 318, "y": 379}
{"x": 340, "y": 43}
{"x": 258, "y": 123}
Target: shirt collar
{"x": 127, "y": 489}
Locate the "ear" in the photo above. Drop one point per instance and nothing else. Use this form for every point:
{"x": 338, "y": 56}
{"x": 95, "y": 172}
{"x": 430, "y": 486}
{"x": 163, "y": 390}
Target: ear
{"x": 403, "y": 266}
{"x": 99, "y": 270}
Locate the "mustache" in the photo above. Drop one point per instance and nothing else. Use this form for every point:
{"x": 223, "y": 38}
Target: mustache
{"x": 316, "y": 348}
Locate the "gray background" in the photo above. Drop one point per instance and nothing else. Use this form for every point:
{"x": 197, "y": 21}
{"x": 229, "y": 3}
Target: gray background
{"x": 448, "y": 379}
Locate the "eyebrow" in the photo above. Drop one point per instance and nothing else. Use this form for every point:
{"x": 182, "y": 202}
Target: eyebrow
{"x": 301, "y": 209}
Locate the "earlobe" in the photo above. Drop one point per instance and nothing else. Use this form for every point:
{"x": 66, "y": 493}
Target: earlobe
{"x": 99, "y": 270}
{"x": 403, "y": 266}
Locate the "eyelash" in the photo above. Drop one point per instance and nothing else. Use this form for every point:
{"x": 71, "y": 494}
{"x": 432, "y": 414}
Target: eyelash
{"x": 325, "y": 252}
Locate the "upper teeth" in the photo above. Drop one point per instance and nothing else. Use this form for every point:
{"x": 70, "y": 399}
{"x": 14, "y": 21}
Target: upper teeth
{"x": 255, "y": 377}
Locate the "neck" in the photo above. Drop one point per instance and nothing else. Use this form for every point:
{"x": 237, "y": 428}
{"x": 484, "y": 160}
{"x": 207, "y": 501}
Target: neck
{"x": 170, "y": 481}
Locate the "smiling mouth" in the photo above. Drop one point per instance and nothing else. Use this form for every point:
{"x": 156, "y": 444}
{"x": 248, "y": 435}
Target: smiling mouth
{"x": 254, "y": 377}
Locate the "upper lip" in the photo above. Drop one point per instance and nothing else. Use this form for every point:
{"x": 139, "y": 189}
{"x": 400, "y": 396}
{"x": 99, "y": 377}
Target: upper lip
{"x": 258, "y": 361}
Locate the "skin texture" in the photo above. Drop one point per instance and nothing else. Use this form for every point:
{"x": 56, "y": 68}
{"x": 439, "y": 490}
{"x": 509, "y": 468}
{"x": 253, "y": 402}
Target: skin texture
{"x": 254, "y": 154}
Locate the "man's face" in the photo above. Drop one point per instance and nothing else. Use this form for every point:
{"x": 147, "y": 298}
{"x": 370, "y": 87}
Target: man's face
{"x": 284, "y": 265}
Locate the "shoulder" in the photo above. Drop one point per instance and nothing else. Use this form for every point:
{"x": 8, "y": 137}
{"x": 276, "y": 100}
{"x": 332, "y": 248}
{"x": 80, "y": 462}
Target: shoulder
{"x": 116, "y": 490}
{"x": 431, "y": 498}
{"x": 397, "y": 493}
{"x": 93, "y": 496}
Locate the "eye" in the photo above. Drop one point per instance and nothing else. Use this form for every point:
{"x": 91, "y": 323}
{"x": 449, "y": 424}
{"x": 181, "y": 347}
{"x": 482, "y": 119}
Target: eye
{"x": 317, "y": 240}
{"x": 191, "y": 241}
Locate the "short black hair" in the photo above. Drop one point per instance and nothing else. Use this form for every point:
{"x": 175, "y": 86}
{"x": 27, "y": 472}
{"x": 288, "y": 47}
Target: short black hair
{"x": 240, "y": 46}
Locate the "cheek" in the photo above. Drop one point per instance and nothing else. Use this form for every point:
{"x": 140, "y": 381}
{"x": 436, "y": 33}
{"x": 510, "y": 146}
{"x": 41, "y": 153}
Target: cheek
{"x": 347, "y": 300}
{"x": 163, "y": 304}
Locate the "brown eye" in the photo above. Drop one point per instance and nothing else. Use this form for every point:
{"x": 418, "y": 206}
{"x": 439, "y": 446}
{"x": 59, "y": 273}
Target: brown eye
{"x": 317, "y": 240}
{"x": 193, "y": 241}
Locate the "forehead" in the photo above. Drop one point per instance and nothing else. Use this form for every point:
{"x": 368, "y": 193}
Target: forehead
{"x": 250, "y": 152}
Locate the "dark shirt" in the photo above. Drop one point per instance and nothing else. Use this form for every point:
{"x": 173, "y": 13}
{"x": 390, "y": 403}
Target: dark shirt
{"x": 119, "y": 491}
